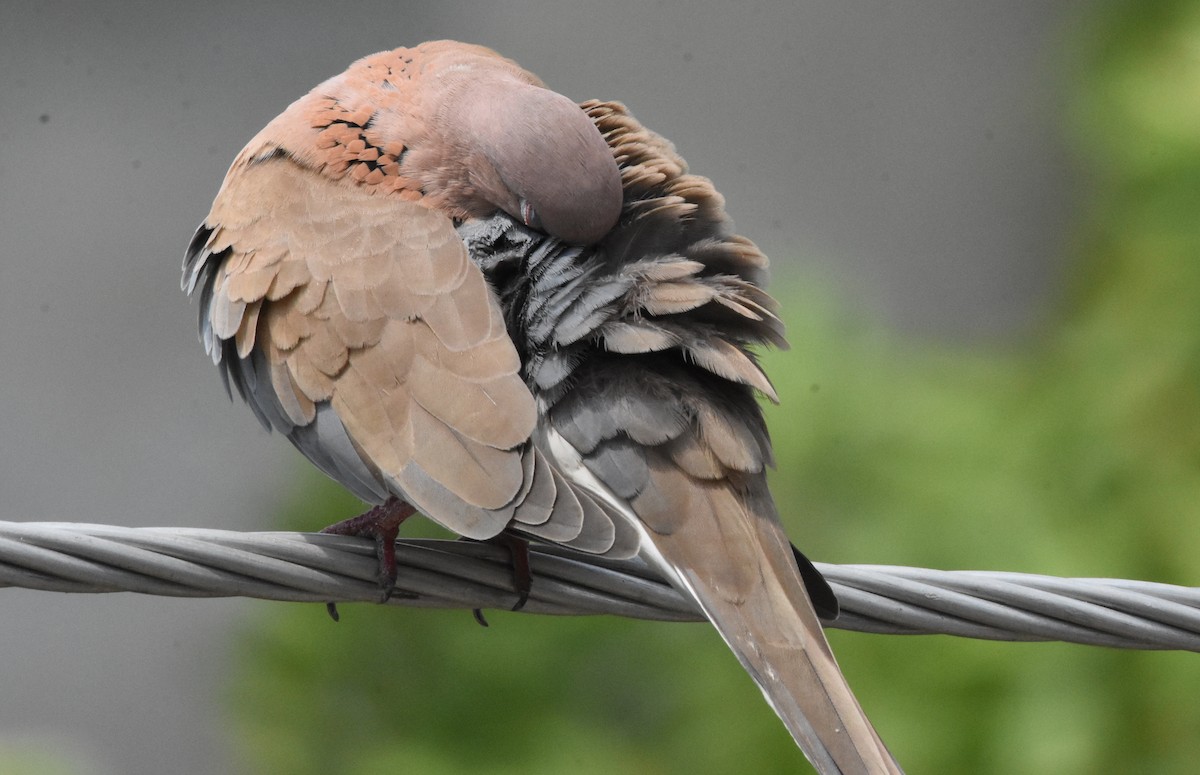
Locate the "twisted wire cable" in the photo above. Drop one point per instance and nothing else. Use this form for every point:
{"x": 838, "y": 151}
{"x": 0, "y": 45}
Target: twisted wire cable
{"x": 312, "y": 567}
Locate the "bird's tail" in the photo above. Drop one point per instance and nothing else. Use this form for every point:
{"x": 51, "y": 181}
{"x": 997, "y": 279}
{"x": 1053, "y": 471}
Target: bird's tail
{"x": 766, "y": 618}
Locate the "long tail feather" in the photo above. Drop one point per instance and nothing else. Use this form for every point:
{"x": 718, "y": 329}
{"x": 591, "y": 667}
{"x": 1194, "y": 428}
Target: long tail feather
{"x": 773, "y": 630}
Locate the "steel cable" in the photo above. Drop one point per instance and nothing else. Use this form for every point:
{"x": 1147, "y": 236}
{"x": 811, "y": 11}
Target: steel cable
{"x": 310, "y": 567}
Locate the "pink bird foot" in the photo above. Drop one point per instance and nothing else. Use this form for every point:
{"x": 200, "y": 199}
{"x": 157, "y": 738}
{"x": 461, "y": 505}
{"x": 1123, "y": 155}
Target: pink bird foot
{"x": 383, "y": 524}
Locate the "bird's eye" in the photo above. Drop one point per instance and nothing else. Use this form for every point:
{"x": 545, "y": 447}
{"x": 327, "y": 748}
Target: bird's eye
{"x": 530, "y": 216}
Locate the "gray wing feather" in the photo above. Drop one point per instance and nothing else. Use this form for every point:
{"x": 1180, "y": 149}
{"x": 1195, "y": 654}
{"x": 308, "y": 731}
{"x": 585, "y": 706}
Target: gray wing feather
{"x": 538, "y": 503}
{"x": 327, "y": 434}
{"x": 621, "y": 464}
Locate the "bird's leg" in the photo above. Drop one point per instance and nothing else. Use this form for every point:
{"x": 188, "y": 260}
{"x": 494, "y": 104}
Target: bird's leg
{"x": 522, "y": 573}
{"x": 518, "y": 550}
{"x": 383, "y": 524}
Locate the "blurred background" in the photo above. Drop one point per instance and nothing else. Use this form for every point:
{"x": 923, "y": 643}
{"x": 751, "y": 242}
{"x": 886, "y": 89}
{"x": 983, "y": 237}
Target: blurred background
{"x": 983, "y": 219}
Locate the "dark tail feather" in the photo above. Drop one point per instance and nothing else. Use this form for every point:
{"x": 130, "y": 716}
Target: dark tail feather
{"x": 824, "y": 602}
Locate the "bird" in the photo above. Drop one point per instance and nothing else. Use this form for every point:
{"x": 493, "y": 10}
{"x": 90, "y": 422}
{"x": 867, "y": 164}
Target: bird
{"x": 462, "y": 294}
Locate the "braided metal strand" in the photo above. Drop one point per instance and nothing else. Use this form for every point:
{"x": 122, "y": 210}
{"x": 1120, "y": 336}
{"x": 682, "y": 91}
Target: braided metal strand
{"x": 308, "y": 567}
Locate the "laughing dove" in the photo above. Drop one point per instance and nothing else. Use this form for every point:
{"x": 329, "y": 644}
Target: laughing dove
{"x": 458, "y": 292}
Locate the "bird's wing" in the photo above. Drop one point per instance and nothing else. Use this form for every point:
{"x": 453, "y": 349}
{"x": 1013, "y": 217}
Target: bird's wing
{"x": 357, "y": 325}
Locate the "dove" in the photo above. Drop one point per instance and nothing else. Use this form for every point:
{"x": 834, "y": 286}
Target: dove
{"x": 461, "y": 294}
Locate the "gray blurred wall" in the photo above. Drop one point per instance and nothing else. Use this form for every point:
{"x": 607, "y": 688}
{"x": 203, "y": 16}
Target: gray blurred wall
{"x": 907, "y": 152}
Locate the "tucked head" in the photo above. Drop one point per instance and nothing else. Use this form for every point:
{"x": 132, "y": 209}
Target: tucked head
{"x": 464, "y": 129}
{"x": 557, "y": 173}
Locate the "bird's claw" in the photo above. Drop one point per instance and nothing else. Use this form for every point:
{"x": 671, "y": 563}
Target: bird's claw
{"x": 522, "y": 573}
{"x": 383, "y": 524}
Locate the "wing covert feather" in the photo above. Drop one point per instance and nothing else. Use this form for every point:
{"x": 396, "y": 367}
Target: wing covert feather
{"x": 372, "y": 305}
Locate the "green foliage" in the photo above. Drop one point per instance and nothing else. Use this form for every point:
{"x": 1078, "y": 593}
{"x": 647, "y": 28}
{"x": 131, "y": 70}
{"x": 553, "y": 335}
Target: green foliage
{"x": 33, "y": 755}
{"x": 1076, "y": 453}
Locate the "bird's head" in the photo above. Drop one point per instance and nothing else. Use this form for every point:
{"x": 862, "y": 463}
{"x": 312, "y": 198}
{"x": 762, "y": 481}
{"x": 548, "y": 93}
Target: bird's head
{"x": 467, "y": 129}
{"x": 536, "y": 155}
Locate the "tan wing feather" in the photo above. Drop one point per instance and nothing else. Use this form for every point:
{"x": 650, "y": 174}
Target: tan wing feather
{"x": 381, "y": 312}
